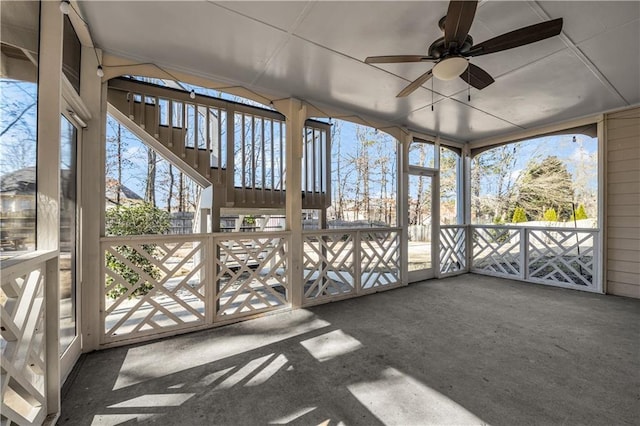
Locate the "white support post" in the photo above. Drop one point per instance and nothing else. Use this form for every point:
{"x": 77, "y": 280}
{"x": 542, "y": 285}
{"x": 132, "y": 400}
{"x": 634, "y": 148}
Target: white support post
{"x": 94, "y": 95}
{"x": 357, "y": 261}
{"x": 601, "y": 259}
{"x": 466, "y": 201}
{"x": 48, "y": 178}
{"x": 435, "y": 213}
{"x": 524, "y": 257}
{"x": 402, "y": 202}
{"x": 296, "y": 116}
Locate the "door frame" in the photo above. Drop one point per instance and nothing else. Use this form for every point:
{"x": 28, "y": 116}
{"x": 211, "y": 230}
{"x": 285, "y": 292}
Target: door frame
{"x": 71, "y": 354}
{"x": 425, "y": 274}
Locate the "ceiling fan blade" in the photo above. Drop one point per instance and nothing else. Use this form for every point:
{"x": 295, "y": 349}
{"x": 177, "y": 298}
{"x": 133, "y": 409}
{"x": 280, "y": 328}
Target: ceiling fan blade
{"x": 517, "y": 38}
{"x": 394, "y": 59}
{"x": 458, "y": 22}
{"x": 477, "y": 77}
{"x": 416, "y": 83}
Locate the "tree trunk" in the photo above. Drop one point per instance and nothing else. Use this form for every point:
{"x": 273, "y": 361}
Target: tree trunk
{"x": 150, "y": 192}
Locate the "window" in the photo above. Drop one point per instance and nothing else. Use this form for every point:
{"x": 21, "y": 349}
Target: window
{"x": 18, "y": 127}
{"x": 364, "y": 177}
{"x": 546, "y": 181}
{"x": 422, "y": 154}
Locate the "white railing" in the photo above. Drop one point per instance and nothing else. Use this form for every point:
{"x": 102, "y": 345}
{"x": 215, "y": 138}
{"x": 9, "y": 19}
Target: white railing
{"x": 342, "y": 263}
{"x": 153, "y": 284}
{"x": 166, "y": 284}
{"x": 23, "y": 341}
{"x": 250, "y": 274}
{"x": 453, "y": 250}
{"x": 557, "y": 256}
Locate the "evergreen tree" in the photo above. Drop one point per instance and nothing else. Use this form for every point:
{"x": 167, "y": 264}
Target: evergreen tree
{"x": 519, "y": 215}
{"x": 551, "y": 215}
{"x": 546, "y": 185}
{"x": 581, "y": 213}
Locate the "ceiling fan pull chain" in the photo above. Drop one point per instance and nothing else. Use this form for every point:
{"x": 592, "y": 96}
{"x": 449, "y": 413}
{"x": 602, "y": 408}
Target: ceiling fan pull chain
{"x": 469, "y": 83}
{"x": 432, "y": 94}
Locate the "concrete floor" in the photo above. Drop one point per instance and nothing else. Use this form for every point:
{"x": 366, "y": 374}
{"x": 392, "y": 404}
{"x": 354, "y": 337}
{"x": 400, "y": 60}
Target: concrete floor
{"x": 463, "y": 350}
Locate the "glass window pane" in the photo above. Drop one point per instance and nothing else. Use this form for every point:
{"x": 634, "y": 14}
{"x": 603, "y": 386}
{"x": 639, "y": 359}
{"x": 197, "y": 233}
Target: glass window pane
{"x": 422, "y": 154}
{"x": 449, "y": 186}
{"x": 419, "y": 210}
{"x": 68, "y": 198}
{"x": 18, "y": 127}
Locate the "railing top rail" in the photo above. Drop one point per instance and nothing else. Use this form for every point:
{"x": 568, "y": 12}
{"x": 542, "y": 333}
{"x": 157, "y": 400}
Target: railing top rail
{"x": 348, "y": 230}
{"x": 16, "y": 265}
{"x": 249, "y": 235}
{"x": 537, "y": 228}
{"x": 454, "y": 226}
{"x": 192, "y": 237}
{"x": 128, "y": 85}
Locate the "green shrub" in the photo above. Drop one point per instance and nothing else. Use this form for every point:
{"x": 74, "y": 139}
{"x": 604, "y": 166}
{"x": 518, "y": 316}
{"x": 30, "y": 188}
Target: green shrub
{"x": 580, "y": 213}
{"x": 550, "y": 215}
{"x": 519, "y": 215}
{"x": 136, "y": 219}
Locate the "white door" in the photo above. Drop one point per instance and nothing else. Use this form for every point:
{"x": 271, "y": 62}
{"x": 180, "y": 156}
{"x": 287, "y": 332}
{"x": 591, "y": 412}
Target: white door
{"x": 421, "y": 219}
{"x": 69, "y": 347}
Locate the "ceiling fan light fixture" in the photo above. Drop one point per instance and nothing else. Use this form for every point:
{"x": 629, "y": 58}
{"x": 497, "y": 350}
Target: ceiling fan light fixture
{"x": 450, "y": 68}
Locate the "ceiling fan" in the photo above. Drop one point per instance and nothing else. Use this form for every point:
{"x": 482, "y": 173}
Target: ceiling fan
{"x": 450, "y": 52}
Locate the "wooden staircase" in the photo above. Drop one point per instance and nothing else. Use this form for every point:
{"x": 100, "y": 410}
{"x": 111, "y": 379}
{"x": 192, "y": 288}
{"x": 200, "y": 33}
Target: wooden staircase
{"x": 237, "y": 148}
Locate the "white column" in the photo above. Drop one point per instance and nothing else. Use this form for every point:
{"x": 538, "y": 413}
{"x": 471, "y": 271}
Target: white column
{"x": 402, "y": 202}
{"x": 466, "y": 191}
{"x": 296, "y": 116}
{"x": 48, "y": 179}
{"x": 92, "y": 166}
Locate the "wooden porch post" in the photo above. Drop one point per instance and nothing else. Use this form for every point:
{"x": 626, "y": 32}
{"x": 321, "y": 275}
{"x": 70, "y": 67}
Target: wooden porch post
{"x": 295, "y": 112}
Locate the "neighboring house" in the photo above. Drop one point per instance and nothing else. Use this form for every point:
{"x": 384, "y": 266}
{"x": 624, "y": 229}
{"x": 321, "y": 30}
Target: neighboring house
{"x": 127, "y": 196}
{"x": 18, "y": 208}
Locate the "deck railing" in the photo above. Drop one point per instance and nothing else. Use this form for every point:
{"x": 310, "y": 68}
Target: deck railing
{"x": 344, "y": 263}
{"x": 563, "y": 257}
{"x": 25, "y": 365}
{"x": 167, "y": 284}
{"x": 161, "y": 285}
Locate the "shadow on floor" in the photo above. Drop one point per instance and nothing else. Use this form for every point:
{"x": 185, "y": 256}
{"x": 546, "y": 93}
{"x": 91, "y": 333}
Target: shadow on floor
{"x": 463, "y": 350}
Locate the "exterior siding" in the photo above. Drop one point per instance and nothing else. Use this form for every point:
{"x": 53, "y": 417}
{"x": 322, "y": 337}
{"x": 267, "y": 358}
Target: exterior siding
{"x": 623, "y": 202}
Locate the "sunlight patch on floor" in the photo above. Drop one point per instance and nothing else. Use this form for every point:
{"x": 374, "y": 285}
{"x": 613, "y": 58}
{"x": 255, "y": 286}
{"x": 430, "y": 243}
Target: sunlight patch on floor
{"x": 209, "y": 379}
{"x": 155, "y": 400}
{"x": 399, "y": 399}
{"x": 137, "y": 368}
{"x": 291, "y": 417}
{"x": 118, "y": 419}
{"x": 243, "y": 373}
{"x": 330, "y": 345}
{"x": 267, "y": 372}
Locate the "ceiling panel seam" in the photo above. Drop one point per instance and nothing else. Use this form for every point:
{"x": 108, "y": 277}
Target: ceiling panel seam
{"x": 398, "y": 118}
{"x": 535, "y": 6}
{"x": 290, "y": 32}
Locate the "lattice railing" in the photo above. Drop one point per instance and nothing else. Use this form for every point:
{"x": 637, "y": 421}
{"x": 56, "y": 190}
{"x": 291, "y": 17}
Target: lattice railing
{"x": 379, "y": 258}
{"x": 329, "y": 264}
{"x": 250, "y": 274}
{"x": 496, "y": 251}
{"x": 453, "y": 249}
{"x": 564, "y": 257}
{"x": 343, "y": 263}
{"x": 24, "y": 370}
{"x": 153, "y": 284}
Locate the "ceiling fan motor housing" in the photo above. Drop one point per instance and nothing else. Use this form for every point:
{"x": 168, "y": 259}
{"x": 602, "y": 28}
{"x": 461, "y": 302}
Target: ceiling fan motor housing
{"x": 439, "y": 51}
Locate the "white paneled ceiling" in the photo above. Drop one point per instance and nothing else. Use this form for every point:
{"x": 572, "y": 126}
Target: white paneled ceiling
{"x": 315, "y": 50}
